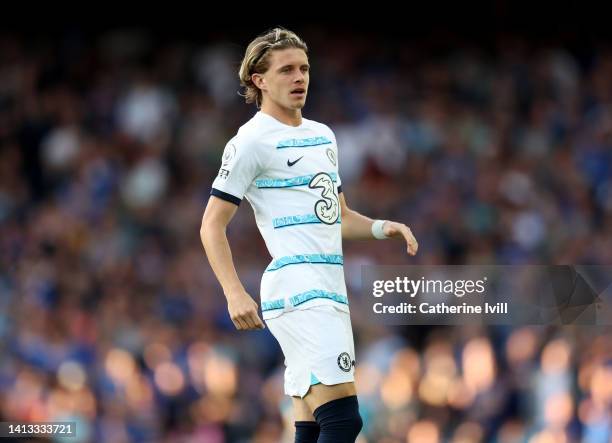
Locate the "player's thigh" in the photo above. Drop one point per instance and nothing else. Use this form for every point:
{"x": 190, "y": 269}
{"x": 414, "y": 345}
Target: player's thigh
{"x": 301, "y": 411}
{"x": 320, "y": 394}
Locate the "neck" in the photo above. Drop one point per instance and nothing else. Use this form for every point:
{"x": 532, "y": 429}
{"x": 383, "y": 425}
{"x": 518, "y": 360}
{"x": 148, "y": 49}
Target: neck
{"x": 291, "y": 117}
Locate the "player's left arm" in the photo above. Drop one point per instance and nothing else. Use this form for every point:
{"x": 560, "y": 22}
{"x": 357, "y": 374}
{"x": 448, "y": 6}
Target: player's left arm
{"x": 356, "y": 226}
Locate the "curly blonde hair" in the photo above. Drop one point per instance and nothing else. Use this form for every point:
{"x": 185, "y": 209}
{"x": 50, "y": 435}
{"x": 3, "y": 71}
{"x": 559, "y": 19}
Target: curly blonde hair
{"x": 257, "y": 57}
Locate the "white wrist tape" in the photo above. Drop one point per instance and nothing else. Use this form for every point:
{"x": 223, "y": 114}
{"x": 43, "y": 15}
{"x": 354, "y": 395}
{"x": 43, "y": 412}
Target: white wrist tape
{"x": 377, "y": 229}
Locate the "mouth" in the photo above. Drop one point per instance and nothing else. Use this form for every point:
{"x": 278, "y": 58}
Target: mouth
{"x": 298, "y": 92}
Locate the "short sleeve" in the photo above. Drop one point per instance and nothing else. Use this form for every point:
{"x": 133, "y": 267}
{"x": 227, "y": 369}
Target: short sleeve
{"x": 239, "y": 167}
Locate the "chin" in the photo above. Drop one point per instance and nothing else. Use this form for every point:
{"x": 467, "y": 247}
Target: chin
{"x": 298, "y": 105}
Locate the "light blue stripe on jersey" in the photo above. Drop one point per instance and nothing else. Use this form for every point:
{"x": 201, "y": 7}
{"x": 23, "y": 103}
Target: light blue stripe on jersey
{"x": 289, "y": 182}
{"x": 303, "y": 142}
{"x": 303, "y": 297}
{"x": 271, "y": 305}
{"x": 325, "y": 259}
{"x": 292, "y": 220}
{"x": 317, "y": 293}
{"x": 314, "y": 380}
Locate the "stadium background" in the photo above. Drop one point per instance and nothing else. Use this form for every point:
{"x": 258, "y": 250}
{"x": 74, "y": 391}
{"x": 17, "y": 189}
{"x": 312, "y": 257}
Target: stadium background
{"x": 492, "y": 141}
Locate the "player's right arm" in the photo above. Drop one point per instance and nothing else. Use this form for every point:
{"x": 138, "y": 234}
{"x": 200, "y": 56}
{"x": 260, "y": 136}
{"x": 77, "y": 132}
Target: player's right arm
{"x": 241, "y": 306}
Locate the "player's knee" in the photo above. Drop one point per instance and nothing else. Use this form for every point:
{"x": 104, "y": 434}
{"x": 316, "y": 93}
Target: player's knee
{"x": 339, "y": 420}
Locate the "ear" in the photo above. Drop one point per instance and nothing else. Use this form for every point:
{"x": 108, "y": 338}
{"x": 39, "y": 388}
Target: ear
{"x": 259, "y": 81}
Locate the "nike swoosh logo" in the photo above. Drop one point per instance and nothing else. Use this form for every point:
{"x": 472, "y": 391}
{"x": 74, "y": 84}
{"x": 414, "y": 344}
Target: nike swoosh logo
{"x": 291, "y": 163}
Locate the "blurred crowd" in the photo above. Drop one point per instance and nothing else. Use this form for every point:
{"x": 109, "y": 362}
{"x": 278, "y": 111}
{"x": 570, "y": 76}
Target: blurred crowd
{"x": 111, "y": 317}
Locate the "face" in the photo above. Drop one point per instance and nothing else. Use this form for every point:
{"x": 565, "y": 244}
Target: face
{"x": 285, "y": 83}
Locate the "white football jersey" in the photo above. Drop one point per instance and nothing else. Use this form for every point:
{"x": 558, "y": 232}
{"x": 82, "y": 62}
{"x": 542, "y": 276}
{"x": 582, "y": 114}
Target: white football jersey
{"x": 289, "y": 175}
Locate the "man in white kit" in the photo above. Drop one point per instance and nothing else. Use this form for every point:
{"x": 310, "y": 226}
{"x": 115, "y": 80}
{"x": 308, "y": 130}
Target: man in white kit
{"x": 287, "y": 168}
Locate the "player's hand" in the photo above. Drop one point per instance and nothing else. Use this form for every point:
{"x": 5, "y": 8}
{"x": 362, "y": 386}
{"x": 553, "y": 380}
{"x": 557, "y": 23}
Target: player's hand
{"x": 243, "y": 311}
{"x": 400, "y": 230}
